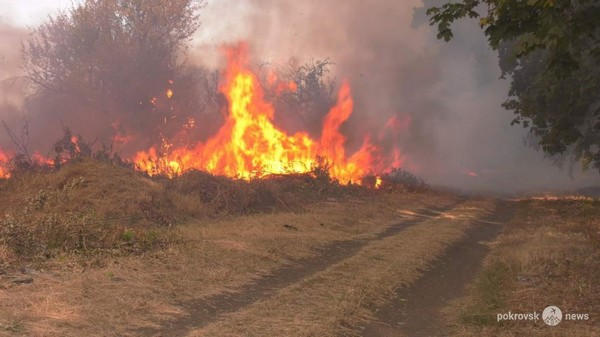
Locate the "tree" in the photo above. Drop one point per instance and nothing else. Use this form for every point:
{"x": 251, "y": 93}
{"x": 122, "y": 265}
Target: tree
{"x": 551, "y": 51}
{"x": 119, "y": 61}
{"x": 311, "y": 96}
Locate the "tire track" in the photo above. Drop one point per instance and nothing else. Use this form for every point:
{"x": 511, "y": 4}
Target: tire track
{"x": 200, "y": 312}
{"x": 415, "y": 310}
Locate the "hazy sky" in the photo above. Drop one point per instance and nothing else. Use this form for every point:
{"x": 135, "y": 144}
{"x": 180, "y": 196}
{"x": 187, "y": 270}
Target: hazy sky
{"x": 29, "y": 12}
{"x": 452, "y": 88}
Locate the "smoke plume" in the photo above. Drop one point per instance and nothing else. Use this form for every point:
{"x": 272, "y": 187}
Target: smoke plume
{"x": 443, "y": 99}
{"x": 450, "y": 93}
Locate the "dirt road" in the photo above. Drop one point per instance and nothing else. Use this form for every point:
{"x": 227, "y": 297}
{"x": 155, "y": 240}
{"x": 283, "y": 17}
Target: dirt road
{"x": 346, "y": 292}
{"x": 336, "y": 270}
{"x": 415, "y": 310}
{"x": 203, "y": 311}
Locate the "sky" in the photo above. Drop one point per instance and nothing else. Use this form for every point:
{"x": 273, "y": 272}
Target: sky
{"x": 451, "y": 91}
{"x": 30, "y": 12}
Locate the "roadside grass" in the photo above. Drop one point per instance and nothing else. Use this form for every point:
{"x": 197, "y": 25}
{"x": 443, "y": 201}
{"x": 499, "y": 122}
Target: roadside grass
{"x": 547, "y": 255}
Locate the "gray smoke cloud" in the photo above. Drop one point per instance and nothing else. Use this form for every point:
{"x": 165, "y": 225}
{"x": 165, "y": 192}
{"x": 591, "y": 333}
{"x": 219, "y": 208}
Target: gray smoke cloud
{"x": 13, "y": 86}
{"x": 459, "y": 134}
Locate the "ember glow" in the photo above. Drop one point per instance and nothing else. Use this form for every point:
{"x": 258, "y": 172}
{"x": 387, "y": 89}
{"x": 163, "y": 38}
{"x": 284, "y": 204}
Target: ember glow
{"x": 41, "y": 160}
{"x": 249, "y": 145}
{"x": 4, "y": 160}
{"x": 378, "y": 182}
{"x": 472, "y": 174}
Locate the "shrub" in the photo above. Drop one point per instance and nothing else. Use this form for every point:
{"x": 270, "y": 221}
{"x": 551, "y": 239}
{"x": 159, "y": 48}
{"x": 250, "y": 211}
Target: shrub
{"x": 401, "y": 178}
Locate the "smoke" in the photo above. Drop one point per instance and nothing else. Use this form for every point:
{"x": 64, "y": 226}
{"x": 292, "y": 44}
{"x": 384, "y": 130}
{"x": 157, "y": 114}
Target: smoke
{"x": 451, "y": 93}
{"x": 12, "y": 85}
{"x": 445, "y": 96}
{"x": 119, "y": 101}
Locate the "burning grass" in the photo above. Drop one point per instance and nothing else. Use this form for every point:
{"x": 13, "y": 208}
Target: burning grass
{"x": 249, "y": 144}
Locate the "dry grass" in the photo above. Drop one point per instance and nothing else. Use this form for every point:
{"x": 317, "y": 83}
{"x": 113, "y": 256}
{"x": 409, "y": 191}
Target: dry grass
{"x": 79, "y": 185}
{"x": 217, "y": 196}
{"x": 83, "y": 207}
{"x": 92, "y": 207}
{"x": 111, "y": 295}
{"x": 548, "y": 255}
{"x": 339, "y": 299}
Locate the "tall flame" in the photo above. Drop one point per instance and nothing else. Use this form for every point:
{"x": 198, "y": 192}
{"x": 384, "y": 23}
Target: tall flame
{"x": 249, "y": 145}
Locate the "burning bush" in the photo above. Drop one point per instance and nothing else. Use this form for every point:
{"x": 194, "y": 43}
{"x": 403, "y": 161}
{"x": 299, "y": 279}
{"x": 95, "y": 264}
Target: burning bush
{"x": 249, "y": 144}
{"x": 113, "y": 69}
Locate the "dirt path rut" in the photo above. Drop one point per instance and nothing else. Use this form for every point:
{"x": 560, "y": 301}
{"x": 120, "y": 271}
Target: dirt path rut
{"x": 203, "y": 311}
{"x": 415, "y": 311}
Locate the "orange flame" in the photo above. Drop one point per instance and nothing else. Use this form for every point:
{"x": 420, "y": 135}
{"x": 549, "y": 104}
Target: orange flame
{"x": 4, "y": 161}
{"x": 290, "y": 86}
{"x": 36, "y": 159}
{"x": 378, "y": 182}
{"x": 41, "y": 160}
{"x": 75, "y": 141}
{"x": 249, "y": 145}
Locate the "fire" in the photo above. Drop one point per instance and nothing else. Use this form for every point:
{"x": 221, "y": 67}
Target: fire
{"x": 36, "y": 159}
{"x": 39, "y": 159}
{"x": 378, "y": 182}
{"x": 4, "y": 160}
{"x": 75, "y": 142}
{"x": 286, "y": 86}
{"x": 249, "y": 145}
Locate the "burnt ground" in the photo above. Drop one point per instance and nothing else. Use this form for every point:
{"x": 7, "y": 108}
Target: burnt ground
{"x": 415, "y": 310}
{"x": 204, "y": 311}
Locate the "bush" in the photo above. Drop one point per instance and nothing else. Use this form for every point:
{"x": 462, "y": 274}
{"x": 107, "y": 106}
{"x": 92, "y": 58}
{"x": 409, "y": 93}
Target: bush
{"x": 220, "y": 195}
{"x": 401, "y": 178}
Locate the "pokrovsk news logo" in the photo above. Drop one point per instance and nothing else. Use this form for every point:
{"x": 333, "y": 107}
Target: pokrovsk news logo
{"x": 551, "y": 315}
